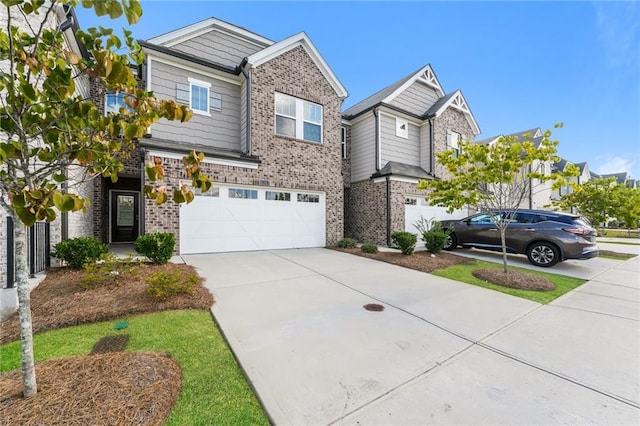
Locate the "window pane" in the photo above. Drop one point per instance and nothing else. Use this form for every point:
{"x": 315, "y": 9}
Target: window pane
{"x": 312, "y": 112}
{"x": 312, "y": 132}
{"x": 115, "y": 101}
{"x": 199, "y": 98}
{"x": 278, "y": 196}
{"x": 308, "y": 198}
{"x": 285, "y": 105}
{"x": 250, "y": 194}
{"x": 285, "y": 126}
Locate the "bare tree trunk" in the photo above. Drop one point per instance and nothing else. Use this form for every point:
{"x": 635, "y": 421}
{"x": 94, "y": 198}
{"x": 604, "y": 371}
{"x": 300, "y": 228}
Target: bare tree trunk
{"x": 30, "y": 388}
{"x": 503, "y": 239}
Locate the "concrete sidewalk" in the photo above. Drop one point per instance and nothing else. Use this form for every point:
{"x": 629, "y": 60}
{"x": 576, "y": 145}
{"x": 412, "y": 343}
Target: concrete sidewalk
{"x": 440, "y": 352}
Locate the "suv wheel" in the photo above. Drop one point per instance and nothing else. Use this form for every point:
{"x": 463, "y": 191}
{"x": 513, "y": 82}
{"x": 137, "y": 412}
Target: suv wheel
{"x": 451, "y": 242}
{"x": 543, "y": 254}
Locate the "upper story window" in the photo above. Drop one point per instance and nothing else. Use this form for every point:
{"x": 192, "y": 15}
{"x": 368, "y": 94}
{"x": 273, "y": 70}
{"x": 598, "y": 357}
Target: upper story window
{"x": 298, "y": 119}
{"x": 199, "y": 96}
{"x": 343, "y": 141}
{"x": 402, "y": 128}
{"x": 453, "y": 142}
{"x": 115, "y": 101}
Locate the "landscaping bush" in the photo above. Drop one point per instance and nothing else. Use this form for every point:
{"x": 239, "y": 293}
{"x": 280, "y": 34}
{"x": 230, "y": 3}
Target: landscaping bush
{"x": 347, "y": 243}
{"x": 369, "y": 248}
{"x": 434, "y": 241}
{"x": 158, "y": 247}
{"x": 163, "y": 285}
{"x": 78, "y": 251}
{"x": 109, "y": 269}
{"x": 406, "y": 241}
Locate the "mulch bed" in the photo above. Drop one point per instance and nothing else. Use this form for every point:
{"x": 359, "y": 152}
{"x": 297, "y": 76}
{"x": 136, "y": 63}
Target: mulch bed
{"x": 133, "y": 388}
{"x": 514, "y": 279}
{"x": 420, "y": 261}
{"x": 62, "y": 301}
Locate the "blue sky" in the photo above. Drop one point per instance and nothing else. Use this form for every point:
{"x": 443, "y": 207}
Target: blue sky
{"x": 519, "y": 64}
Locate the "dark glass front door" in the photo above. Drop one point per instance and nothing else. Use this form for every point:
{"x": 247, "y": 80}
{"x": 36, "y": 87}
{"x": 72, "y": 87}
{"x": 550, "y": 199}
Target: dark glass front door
{"x": 124, "y": 216}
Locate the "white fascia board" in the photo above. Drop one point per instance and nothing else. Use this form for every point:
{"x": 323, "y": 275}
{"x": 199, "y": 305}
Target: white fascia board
{"x": 396, "y": 179}
{"x": 466, "y": 111}
{"x": 155, "y": 56}
{"x": 207, "y": 160}
{"x": 427, "y": 68}
{"x": 396, "y": 114}
{"x": 300, "y": 39}
{"x": 194, "y": 30}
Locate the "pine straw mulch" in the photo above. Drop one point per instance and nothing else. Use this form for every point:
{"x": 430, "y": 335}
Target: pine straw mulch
{"x": 121, "y": 388}
{"x": 426, "y": 262}
{"x": 514, "y": 279}
{"x": 62, "y": 301}
{"x": 420, "y": 260}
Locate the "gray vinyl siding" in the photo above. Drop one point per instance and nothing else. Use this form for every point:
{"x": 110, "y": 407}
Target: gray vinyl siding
{"x": 243, "y": 117}
{"x": 417, "y": 98}
{"x": 363, "y": 145}
{"x": 220, "y": 130}
{"x": 425, "y": 147}
{"x": 218, "y": 47}
{"x": 394, "y": 148}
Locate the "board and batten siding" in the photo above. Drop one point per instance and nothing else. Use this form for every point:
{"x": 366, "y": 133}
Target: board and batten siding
{"x": 363, "y": 145}
{"x": 219, "y": 130}
{"x": 425, "y": 147}
{"x": 243, "y": 117}
{"x": 416, "y": 99}
{"x": 219, "y": 47}
{"x": 395, "y": 148}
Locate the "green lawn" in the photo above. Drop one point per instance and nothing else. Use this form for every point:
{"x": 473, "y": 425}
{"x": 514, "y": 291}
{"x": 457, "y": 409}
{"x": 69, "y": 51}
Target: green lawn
{"x": 464, "y": 273}
{"x": 619, "y": 233}
{"x": 214, "y": 390}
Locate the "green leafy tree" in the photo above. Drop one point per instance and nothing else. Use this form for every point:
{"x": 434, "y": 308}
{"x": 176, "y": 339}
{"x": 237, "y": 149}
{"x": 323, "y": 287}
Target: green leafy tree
{"x": 629, "y": 211}
{"x": 495, "y": 178}
{"x": 46, "y": 127}
{"x": 596, "y": 199}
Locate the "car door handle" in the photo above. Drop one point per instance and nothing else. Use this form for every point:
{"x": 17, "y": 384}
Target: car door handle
{"x": 530, "y": 229}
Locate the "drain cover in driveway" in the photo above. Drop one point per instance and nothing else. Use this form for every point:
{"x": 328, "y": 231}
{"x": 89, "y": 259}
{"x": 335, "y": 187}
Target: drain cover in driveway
{"x": 373, "y": 307}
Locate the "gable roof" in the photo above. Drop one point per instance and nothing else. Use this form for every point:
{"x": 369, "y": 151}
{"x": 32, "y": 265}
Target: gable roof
{"x": 401, "y": 169}
{"x": 581, "y": 166}
{"x": 456, "y": 101}
{"x": 620, "y": 177}
{"x": 425, "y": 74}
{"x": 207, "y": 25}
{"x": 534, "y": 135}
{"x": 300, "y": 39}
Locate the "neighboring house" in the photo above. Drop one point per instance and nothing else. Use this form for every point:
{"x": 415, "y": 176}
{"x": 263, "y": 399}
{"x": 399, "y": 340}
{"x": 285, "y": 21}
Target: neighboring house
{"x": 539, "y": 192}
{"x": 391, "y": 138}
{"x": 266, "y": 116}
{"x": 622, "y": 178}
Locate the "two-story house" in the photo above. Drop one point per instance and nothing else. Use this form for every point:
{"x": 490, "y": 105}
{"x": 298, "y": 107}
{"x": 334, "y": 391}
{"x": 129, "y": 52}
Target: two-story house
{"x": 266, "y": 116}
{"x": 389, "y": 142}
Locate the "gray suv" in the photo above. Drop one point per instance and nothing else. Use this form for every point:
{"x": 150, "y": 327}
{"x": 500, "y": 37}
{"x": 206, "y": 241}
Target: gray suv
{"x": 545, "y": 237}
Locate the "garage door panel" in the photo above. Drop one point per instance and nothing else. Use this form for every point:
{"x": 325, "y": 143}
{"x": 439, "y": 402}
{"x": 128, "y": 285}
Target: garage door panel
{"x": 413, "y": 213}
{"x": 217, "y": 224}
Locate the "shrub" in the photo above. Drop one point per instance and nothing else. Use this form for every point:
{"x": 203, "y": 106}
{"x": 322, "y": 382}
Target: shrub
{"x": 110, "y": 269}
{"x": 163, "y": 285}
{"x": 347, "y": 243}
{"x": 157, "y": 247}
{"x": 434, "y": 241}
{"x": 406, "y": 241}
{"x": 369, "y": 248}
{"x": 78, "y": 251}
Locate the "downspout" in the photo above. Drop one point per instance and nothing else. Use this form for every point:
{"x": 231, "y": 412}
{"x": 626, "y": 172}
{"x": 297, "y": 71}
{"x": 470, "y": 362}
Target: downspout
{"x": 141, "y": 223}
{"x": 247, "y": 76}
{"x": 388, "y": 211}
{"x": 377, "y": 123}
{"x": 64, "y": 219}
{"x": 431, "y": 147}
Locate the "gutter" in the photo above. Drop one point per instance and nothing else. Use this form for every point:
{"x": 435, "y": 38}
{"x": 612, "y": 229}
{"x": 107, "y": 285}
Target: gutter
{"x": 191, "y": 58}
{"x": 247, "y": 76}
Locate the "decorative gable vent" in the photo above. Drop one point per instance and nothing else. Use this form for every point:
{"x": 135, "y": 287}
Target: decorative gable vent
{"x": 458, "y": 103}
{"x": 428, "y": 77}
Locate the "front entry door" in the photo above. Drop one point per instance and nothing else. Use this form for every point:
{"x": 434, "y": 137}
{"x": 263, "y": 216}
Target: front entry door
{"x": 124, "y": 216}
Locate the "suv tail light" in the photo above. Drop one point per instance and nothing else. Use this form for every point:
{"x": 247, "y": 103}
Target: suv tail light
{"x": 578, "y": 230}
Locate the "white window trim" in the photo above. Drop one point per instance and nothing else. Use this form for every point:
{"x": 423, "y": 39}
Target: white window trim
{"x": 454, "y": 144}
{"x": 199, "y": 83}
{"x": 299, "y": 118}
{"x": 106, "y": 103}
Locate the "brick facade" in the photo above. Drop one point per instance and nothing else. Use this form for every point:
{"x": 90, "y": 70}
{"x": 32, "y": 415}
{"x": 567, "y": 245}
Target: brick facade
{"x": 450, "y": 119}
{"x": 366, "y": 212}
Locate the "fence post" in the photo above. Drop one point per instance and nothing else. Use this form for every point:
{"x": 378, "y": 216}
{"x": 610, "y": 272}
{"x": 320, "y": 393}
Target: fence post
{"x": 11, "y": 265}
{"x": 32, "y": 251}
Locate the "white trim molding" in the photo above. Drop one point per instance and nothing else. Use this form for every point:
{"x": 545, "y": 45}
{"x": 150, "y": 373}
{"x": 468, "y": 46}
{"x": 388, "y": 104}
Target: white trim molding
{"x": 458, "y": 102}
{"x": 207, "y": 160}
{"x": 424, "y": 75}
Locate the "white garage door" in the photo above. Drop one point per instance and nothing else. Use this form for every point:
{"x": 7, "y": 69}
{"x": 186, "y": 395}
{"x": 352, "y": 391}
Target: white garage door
{"x": 417, "y": 207}
{"x": 241, "y": 218}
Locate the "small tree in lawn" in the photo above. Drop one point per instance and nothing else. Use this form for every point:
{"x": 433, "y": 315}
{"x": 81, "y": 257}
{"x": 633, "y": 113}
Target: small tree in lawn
{"x": 629, "y": 207}
{"x": 494, "y": 178}
{"x": 46, "y": 127}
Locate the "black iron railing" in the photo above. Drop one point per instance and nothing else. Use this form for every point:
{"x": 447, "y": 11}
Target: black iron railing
{"x": 38, "y": 250}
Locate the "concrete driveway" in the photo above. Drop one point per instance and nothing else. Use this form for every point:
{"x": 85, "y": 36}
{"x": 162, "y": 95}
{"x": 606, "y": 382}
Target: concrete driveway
{"x": 440, "y": 352}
